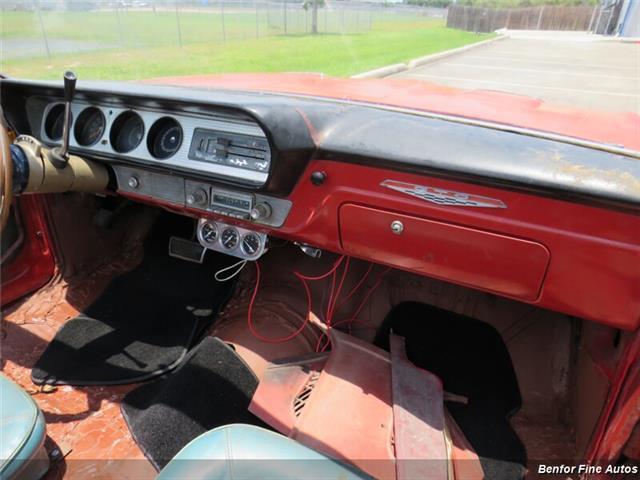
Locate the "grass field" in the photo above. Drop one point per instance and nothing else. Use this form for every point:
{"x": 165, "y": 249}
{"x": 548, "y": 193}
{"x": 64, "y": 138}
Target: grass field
{"x": 145, "y": 44}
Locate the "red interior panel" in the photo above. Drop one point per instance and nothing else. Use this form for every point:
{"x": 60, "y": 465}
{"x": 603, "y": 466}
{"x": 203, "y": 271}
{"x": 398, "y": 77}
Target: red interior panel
{"x": 34, "y": 265}
{"x": 594, "y": 252}
{"x": 469, "y": 256}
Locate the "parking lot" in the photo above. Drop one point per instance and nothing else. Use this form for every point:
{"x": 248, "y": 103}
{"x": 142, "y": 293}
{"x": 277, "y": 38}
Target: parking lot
{"x": 575, "y": 69}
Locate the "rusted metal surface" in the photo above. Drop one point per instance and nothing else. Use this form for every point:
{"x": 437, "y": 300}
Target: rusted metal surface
{"x": 84, "y": 424}
{"x": 354, "y": 393}
{"x": 622, "y": 410}
{"x": 347, "y": 415}
{"x": 465, "y": 461}
{"x": 276, "y": 314}
{"x": 284, "y": 390}
{"x": 418, "y": 418}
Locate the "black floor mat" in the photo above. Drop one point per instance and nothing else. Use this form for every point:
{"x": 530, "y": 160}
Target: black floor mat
{"x": 472, "y": 360}
{"x": 213, "y": 387}
{"x": 141, "y": 326}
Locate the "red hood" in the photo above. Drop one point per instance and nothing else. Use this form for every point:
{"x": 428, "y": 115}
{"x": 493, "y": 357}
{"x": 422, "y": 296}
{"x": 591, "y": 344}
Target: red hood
{"x": 505, "y": 108}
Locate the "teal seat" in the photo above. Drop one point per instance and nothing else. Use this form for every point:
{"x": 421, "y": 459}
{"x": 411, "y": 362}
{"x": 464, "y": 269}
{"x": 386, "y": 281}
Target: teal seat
{"x": 246, "y": 452}
{"x": 22, "y": 433}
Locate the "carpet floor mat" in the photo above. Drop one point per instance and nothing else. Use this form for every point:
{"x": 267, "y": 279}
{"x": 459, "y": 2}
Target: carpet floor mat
{"x": 140, "y": 327}
{"x": 472, "y": 360}
{"x": 213, "y": 387}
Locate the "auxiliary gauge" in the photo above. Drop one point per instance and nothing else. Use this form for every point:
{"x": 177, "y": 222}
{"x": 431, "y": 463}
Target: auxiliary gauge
{"x": 209, "y": 232}
{"x": 250, "y": 244}
{"x": 229, "y": 238}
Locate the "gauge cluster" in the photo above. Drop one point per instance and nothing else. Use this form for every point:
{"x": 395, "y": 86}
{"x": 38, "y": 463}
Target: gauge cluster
{"x": 228, "y": 148}
{"x": 236, "y": 241}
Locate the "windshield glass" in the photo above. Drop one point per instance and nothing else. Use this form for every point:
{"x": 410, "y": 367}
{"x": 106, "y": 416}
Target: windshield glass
{"x": 575, "y": 55}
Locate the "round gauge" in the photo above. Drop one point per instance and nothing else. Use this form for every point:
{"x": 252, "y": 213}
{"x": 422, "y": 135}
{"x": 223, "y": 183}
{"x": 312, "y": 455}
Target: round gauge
{"x": 165, "y": 138}
{"x": 229, "y": 238}
{"x": 89, "y": 126}
{"x": 209, "y": 232}
{"x": 54, "y": 122}
{"x": 250, "y": 244}
{"x": 127, "y": 132}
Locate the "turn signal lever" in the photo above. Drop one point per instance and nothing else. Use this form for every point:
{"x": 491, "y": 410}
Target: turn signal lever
{"x": 60, "y": 155}
{"x": 38, "y": 169}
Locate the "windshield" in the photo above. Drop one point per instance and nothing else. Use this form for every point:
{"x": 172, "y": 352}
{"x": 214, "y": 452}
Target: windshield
{"x": 568, "y": 54}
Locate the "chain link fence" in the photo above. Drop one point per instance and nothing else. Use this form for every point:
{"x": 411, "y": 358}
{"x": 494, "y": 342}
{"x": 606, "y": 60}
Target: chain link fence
{"x": 33, "y": 28}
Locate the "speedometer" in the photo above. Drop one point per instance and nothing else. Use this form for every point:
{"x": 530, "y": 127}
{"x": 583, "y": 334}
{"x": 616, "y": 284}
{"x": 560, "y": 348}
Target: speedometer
{"x": 89, "y": 127}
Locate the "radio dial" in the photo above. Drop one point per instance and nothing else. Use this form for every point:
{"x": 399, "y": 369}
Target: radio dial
{"x": 199, "y": 197}
{"x": 261, "y": 211}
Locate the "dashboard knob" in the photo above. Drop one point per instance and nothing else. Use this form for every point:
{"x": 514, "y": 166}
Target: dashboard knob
{"x": 318, "y": 178}
{"x": 133, "y": 182}
{"x": 260, "y": 211}
{"x": 198, "y": 197}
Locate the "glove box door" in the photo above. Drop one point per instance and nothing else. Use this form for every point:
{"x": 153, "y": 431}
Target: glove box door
{"x": 468, "y": 256}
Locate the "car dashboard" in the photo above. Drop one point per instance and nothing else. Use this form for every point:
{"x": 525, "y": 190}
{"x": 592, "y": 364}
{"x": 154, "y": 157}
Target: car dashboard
{"x": 214, "y": 144}
{"x": 518, "y": 214}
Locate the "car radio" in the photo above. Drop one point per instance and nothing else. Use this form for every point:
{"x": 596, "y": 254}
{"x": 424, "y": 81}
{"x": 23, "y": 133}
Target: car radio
{"x": 247, "y": 206}
{"x": 234, "y": 201}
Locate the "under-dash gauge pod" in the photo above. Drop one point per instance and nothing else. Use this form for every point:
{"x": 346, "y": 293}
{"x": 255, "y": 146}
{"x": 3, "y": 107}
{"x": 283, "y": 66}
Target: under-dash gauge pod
{"x": 231, "y": 240}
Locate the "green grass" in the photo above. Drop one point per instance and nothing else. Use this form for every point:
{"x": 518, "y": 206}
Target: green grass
{"x": 145, "y": 44}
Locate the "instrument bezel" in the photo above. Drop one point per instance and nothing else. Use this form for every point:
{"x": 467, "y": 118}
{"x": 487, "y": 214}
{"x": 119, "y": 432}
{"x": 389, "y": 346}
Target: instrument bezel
{"x": 180, "y": 159}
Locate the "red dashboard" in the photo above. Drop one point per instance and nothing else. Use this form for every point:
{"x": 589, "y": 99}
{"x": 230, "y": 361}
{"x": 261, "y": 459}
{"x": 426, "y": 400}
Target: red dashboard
{"x": 536, "y": 217}
{"x": 569, "y": 257}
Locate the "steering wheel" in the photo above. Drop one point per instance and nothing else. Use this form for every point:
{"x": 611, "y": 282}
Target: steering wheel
{"x": 6, "y": 175}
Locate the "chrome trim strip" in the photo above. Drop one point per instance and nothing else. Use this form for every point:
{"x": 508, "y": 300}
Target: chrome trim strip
{"x": 181, "y": 158}
{"x": 440, "y": 196}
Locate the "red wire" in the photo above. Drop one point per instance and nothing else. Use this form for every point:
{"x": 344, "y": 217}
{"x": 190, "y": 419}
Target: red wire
{"x": 370, "y": 292}
{"x": 250, "y": 313}
{"x": 355, "y": 289}
{"x": 353, "y": 318}
{"x": 327, "y": 314}
{"x": 302, "y": 279}
{"x": 325, "y": 336}
{"x": 331, "y": 306}
{"x": 324, "y": 275}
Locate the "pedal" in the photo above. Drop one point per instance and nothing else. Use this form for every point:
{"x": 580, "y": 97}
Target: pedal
{"x": 186, "y": 250}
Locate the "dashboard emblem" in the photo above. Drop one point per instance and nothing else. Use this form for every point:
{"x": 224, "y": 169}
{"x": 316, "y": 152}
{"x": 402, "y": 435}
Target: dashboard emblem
{"x": 441, "y": 196}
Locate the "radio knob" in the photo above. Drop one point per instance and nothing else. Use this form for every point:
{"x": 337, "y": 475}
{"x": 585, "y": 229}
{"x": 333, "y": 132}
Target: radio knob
{"x": 199, "y": 197}
{"x": 261, "y": 211}
{"x": 133, "y": 182}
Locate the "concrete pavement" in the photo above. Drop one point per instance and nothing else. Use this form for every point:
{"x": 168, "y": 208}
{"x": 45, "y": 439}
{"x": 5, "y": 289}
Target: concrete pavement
{"x": 572, "y": 68}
